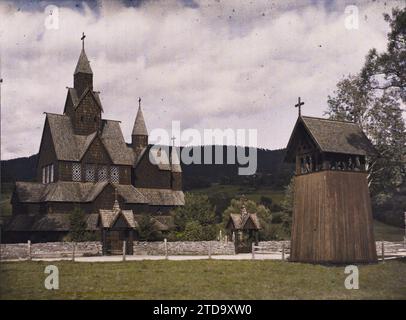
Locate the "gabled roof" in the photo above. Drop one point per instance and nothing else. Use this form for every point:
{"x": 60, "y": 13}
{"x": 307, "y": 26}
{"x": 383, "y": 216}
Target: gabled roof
{"x": 333, "y": 136}
{"x": 239, "y": 223}
{"x": 76, "y": 99}
{"x": 139, "y": 129}
{"x": 71, "y": 147}
{"x": 113, "y": 140}
{"x": 109, "y": 217}
{"x": 83, "y": 65}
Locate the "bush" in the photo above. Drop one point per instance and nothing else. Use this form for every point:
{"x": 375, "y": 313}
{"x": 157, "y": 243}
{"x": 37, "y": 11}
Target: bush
{"x": 197, "y": 208}
{"x": 78, "y": 227}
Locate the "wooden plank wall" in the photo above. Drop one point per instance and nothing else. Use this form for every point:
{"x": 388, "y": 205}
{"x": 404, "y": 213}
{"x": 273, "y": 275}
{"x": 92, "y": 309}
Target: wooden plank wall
{"x": 332, "y": 218}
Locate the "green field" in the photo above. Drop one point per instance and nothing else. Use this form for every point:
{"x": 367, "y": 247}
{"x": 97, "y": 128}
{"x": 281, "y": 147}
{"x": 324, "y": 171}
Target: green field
{"x": 207, "y": 279}
{"x": 234, "y": 191}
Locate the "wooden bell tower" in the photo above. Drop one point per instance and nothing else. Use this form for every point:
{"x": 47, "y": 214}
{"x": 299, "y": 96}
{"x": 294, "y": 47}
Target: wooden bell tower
{"x": 332, "y": 215}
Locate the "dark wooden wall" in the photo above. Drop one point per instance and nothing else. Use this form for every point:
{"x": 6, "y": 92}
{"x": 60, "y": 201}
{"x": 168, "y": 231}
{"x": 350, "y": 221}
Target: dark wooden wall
{"x": 47, "y": 154}
{"x": 148, "y": 175}
{"x": 332, "y": 218}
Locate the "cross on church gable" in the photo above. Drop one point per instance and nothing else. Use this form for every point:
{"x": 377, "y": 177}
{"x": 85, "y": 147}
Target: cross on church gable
{"x": 299, "y": 105}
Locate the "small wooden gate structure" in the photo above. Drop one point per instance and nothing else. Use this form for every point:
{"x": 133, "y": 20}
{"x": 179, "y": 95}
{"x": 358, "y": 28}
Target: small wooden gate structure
{"x": 243, "y": 230}
{"x": 117, "y": 226}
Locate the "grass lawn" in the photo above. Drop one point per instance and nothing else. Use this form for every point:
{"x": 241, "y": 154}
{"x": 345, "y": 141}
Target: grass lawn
{"x": 207, "y": 279}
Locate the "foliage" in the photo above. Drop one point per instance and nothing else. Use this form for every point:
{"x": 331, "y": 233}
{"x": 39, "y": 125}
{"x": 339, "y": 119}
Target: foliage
{"x": 266, "y": 201}
{"x": 195, "y": 220}
{"x": 374, "y": 98}
{"x": 146, "y": 229}
{"x": 78, "y": 226}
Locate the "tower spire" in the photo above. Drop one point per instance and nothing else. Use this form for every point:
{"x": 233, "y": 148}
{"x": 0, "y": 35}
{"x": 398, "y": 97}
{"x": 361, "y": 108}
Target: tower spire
{"x": 83, "y": 75}
{"x": 139, "y": 136}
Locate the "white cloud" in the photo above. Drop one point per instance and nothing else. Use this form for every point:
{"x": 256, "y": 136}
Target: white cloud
{"x": 224, "y": 64}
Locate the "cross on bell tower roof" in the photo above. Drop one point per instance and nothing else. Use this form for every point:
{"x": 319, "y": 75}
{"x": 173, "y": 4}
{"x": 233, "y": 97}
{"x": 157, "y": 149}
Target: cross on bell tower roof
{"x": 299, "y": 105}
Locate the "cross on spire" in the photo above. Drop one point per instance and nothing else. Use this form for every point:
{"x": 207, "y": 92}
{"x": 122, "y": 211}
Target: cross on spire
{"x": 139, "y": 102}
{"x": 83, "y": 40}
{"x": 299, "y": 105}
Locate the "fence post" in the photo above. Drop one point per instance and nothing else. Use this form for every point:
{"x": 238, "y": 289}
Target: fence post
{"x": 73, "y": 251}
{"x": 166, "y": 248}
{"x": 283, "y": 251}
{"x": 29, "y": 249}
{"x": 253, "y": 251}
{"x": 209, "y": 250}
{"x": 404, "y": 238}
{"x": 383, "y": 251}
{"x": 124, "y": 250}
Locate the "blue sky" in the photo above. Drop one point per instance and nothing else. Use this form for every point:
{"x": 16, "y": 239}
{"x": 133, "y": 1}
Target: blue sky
{"x": 208, "y": 64}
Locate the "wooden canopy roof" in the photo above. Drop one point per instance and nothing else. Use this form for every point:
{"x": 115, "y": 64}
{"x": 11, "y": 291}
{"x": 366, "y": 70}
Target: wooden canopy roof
{"x": 330, "y": 136}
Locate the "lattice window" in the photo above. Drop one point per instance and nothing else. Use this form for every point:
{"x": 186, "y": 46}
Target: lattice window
{"x": 76, "y": 172}
{"x": 114, "y": 175}
{"x": 90, "y": 172}
{"x": 103, "y": 174}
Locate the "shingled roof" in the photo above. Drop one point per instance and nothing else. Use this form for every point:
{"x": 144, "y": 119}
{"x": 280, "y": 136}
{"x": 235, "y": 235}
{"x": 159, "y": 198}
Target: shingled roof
{"x": 139, "y": 128}
{"x": 71, "y": 147}
{"x": 79, "y": 192}
{"x": 76, "y": 99}
{"x": 83, "y": 65}
{"x": 163, "y": 197}
{"x": 334, "y": 136}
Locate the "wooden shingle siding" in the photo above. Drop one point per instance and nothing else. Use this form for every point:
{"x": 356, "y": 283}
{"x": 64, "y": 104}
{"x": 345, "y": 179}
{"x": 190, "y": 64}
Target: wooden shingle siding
{"x": 87, "y": 117}
{"x": 332, "y": 218}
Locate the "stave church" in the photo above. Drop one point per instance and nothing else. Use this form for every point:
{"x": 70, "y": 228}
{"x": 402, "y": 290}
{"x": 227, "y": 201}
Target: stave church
{"x": 85, "y": 162}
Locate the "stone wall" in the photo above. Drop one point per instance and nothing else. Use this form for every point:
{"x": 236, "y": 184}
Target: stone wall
{"x": 49, "y": 250}
{"x": 65, "y": 249}
{"x": 184, "y": 248}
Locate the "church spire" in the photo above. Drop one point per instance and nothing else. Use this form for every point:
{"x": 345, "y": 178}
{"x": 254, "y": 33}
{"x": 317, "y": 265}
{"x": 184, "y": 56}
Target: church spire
{"x": 83, "y": 75}
{"x": 139, "y": 129}
{"x": 139, "y": 135}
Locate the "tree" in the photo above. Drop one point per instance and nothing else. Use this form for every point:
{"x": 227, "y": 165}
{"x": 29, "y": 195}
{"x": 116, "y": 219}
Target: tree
{"x": 193, "y": 231}
{"x": 287, "y": 207}
{"x": 146, "y": 228}
{"x": 78, "y": 225}
{"x": 197, "y": 208}
{"x": 196, "y": 220}
{"x": 373, "y": 98}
